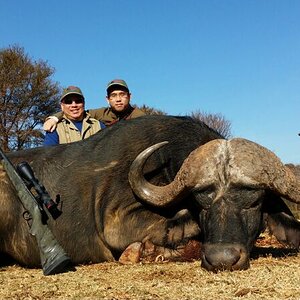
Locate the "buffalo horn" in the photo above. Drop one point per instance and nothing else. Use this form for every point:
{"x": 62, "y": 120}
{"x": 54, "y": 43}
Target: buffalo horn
{"x": 253, "y": 165}
{"x": 236, "y": 162}
{"x": 199, "y": 165}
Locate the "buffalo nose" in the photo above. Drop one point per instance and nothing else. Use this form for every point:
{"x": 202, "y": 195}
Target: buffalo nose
{"x": 223, "y": 257}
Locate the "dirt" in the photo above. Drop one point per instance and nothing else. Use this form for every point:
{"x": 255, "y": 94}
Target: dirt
{"x": 274, "y": 274}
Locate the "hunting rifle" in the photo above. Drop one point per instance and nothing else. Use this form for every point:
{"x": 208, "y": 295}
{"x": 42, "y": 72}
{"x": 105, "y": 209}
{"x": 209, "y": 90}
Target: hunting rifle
{"x": 53, "y": 257}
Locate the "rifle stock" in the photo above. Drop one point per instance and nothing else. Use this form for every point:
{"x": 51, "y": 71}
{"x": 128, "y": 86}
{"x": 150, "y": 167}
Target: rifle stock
{"x": 53, "y": 258}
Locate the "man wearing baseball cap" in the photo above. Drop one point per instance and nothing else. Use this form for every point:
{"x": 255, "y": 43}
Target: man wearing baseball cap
{"x": 75, "y": 124}
{"x": 118, "y": 97}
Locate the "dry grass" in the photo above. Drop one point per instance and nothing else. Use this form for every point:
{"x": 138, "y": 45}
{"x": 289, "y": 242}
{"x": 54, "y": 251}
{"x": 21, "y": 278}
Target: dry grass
{"x": 271, "y": 276}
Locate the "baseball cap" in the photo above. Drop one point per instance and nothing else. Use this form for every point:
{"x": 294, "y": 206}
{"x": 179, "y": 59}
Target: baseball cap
{"x": 71, "y": 90}
{"x": 117, "y": 84}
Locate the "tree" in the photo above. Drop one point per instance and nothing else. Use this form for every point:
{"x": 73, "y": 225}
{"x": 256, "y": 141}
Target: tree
{"x": 151, "y": 111}
{"x": 27, "y": 96}
{"x": 215, "y": 121}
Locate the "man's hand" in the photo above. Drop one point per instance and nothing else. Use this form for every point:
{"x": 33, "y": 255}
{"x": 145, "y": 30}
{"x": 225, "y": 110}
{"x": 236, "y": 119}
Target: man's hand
{"x": 50, "y": 124}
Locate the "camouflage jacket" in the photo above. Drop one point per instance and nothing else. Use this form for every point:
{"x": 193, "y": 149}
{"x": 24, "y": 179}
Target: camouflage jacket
{"x": 109, "y": 117}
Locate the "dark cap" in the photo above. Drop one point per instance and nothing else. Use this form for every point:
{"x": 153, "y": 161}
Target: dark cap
{"x": 117, "y": 84}
{"x": 71, "y": 90}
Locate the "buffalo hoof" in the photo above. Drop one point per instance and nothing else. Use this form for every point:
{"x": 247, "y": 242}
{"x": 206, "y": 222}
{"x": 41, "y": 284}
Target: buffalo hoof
{"x": 132, "y": 254}
{"x": 148, "y": 252}
{"x": 137, "y": 252}
{"x": 188, "y": 252}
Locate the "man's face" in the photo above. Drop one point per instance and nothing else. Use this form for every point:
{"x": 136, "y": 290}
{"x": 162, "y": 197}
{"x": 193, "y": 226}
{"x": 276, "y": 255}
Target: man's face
{"x": 73, "y": 107}
{"x": 118, "y": 100}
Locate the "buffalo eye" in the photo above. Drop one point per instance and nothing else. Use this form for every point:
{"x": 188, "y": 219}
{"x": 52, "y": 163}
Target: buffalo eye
{"x": 255, "y": 203}
{"x": 204, "y": 198}
{"x": 254, "y": 199}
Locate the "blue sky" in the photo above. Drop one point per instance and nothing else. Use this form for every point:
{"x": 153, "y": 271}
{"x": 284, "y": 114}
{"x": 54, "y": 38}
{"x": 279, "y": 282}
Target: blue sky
{"x": 238, "y": 58}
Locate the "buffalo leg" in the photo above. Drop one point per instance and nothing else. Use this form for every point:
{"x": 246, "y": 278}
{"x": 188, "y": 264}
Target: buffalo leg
{"x": 126, "y": 229}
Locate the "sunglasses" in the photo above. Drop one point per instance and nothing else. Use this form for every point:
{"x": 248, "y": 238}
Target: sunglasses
{"x": 71, "y": 100}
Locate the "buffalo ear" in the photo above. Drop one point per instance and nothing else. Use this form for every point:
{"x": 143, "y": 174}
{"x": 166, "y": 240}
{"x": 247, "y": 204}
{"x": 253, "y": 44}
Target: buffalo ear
{"x": 281, "y": 221}
{"x": 285, "y": 228}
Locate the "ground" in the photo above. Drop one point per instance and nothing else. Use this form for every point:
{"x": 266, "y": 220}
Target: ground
{"x": 274, "y": 274}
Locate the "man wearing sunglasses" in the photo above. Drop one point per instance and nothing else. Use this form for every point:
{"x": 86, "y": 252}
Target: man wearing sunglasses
{"x": 118, "y": 97}
{"x": 75, "y": 124}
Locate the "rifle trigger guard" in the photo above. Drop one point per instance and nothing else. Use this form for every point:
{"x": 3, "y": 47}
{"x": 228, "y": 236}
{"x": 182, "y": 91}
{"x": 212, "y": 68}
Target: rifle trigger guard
{"x": 27, "y": 216}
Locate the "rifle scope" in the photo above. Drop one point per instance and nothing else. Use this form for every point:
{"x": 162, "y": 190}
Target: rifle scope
{"x": 31, "y": 181}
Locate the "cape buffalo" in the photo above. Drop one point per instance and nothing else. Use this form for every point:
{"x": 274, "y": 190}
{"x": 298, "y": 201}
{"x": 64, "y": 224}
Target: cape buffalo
{"x": 197, "y": 187}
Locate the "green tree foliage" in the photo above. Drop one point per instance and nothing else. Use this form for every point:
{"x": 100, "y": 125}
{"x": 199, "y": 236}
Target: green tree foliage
{"x": 27, "y": 95}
